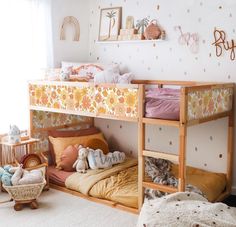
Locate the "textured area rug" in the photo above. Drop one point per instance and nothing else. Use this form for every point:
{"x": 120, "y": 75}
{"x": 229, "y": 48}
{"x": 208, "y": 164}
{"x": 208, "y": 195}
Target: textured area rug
{"x": 60, "y": 209}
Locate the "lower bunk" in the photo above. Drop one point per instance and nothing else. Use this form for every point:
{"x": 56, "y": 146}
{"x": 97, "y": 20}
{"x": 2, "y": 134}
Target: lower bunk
{"x": 118, "y": 186}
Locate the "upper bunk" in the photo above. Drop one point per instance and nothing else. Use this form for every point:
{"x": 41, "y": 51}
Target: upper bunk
{"x": 198, "y": 102}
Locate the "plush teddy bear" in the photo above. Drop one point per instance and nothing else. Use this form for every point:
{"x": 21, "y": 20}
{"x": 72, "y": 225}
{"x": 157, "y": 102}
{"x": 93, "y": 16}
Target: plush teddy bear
{"x": 6, "y": 175}
{"x": 81, "y": 163}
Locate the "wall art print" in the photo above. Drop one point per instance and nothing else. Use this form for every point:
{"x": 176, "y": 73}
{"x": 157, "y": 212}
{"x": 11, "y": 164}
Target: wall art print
{"x": 110, "y": 24}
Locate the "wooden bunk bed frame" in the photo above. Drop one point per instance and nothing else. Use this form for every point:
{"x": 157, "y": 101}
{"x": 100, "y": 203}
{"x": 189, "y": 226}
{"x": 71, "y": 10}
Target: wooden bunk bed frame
{"x": 87, "y": 99}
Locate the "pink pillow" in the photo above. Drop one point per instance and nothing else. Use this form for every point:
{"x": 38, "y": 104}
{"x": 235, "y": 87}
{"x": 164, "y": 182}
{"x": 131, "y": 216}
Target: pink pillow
{"x": 68, "y": 157}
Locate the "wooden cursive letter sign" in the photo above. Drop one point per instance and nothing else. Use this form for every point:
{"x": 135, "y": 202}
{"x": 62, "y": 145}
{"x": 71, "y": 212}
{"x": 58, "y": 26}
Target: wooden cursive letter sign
{"x": 221, "y": 43}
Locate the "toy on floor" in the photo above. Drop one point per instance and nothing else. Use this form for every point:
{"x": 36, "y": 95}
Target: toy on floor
{"x": 81, "y": 163}
{"x": 6, "y": 174}
{"x": 24, "y": 177}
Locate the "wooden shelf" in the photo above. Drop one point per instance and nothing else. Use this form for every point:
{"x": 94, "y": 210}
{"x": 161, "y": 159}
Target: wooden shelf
{"x": 130, "y": 41}
{"x": 24, "y": 142}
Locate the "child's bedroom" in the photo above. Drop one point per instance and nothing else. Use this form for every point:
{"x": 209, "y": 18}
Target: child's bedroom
{"x": 117, "y": 113}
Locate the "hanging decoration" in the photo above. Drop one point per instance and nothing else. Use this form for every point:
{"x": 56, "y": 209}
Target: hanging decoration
{"x": 222, "y": 44}
{"x": 189, "y": 39}
{"x": 70, "y": 21}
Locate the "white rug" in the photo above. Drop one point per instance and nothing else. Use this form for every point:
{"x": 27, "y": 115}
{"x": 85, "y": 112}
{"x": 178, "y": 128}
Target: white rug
{"x": 60, "y": 209}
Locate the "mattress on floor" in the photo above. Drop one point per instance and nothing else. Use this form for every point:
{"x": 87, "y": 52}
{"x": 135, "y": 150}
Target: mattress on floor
{"x": 57, "y": 176}
{"x": 118, "y": 183}
{"x": 162, "y": 103}
{"x": 210, "y": 183}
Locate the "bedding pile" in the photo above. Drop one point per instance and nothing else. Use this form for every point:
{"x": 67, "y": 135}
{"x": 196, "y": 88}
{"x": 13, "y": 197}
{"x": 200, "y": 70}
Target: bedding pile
{"x": 118, "y": 183}
{"x": 163, "y": 103}
{"x": 160, "y": 172}
{"x": 185, "y": 209}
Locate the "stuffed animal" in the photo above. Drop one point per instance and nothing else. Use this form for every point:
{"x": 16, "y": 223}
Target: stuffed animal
{"x": 65, "y": 73}
{"x": 31, "y": 177}
{"x": 81, "y": 163}
{"x": 17, "y": 175}
{"x": 14, "y": 134}
{"x": 97, "y": 160}
{"x": 6, "y": 175}
{"x": 22, "y": 176}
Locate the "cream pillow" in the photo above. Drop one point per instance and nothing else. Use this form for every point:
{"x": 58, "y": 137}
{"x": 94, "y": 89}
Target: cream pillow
{"x": 61, "y": 143}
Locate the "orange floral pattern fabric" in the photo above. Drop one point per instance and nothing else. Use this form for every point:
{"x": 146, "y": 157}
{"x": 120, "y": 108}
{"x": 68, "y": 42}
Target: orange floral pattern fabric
{"x": 44, "y": 119}
{"x": 206, "y": 103}
{"x": 88, "y": 99}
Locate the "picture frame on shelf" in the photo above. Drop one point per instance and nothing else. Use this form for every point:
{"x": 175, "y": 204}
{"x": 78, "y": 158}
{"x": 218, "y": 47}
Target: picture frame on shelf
{"x": 110, "y": 24}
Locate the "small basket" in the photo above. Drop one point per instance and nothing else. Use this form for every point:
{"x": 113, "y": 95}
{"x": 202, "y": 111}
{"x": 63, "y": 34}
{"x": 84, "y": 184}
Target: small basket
{"x": 25, "y": 192}
{"x": 152, "y": 31}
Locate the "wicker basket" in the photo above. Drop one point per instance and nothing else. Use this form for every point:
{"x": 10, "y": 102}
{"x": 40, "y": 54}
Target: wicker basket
{"x": 152, "y": 31}
{"x": 25, "y": 192}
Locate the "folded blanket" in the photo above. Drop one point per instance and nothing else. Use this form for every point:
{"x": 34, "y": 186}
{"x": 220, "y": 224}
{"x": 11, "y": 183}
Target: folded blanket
{"x": 84, "y": 182}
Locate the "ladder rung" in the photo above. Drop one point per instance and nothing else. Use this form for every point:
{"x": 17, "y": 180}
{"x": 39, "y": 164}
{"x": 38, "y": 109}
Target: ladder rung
{"x": 161, "y": 122}
{"x": 156, "y": 154}
{"x": 159, "y": 187}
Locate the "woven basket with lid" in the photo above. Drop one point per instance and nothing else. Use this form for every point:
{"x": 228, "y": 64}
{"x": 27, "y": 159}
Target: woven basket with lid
{"x": 152, "y": 31}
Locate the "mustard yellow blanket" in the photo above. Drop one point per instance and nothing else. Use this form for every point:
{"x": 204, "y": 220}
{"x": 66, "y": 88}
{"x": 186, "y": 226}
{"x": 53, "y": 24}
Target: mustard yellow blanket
{"x": 118, "y": 183}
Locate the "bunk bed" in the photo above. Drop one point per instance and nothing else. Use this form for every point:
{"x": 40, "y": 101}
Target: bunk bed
{"x": 198, "y": 103}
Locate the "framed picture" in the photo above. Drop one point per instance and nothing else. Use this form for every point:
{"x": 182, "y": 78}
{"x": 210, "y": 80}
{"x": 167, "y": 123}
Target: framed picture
{"x": 110, "y": 24}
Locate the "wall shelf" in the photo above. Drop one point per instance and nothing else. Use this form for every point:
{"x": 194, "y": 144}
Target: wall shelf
{"x": 130, "y": 41}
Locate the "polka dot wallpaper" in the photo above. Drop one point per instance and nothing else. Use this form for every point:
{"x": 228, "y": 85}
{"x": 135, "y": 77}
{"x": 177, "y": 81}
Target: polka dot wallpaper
{"x": 170, "y": 59}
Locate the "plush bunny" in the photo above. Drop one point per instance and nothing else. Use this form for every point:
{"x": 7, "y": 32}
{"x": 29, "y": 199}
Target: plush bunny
{"x": 81, "y": 163}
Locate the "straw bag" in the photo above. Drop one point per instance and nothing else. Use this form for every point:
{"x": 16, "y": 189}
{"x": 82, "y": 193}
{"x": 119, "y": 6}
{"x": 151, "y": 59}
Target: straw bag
{"x": 152, "y": 31}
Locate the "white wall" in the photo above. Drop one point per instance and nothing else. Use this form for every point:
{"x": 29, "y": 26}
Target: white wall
{"x": 69, "y": 50}
{"x": 166, "y": 60}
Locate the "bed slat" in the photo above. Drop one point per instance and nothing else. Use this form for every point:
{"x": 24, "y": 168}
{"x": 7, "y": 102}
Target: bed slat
{"x": 160, "y": 122}
{"x": 160, "y": 187}
{"x": 157, "y": 154}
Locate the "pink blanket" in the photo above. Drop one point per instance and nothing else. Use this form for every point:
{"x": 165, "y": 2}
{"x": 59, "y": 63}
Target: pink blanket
{"x": 162, "y": 103}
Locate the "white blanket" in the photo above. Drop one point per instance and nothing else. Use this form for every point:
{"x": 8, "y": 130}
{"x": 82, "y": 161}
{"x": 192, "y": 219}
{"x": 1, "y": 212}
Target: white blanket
{"x": 185, "y": 209}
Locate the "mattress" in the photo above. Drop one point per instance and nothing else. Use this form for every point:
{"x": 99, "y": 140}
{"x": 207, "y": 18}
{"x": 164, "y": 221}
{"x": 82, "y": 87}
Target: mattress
{"x": 57, "y": 176}
{"x": 162, "y": 103}
{"x": 210, "y": 183}
{"x": 120, "y": 183}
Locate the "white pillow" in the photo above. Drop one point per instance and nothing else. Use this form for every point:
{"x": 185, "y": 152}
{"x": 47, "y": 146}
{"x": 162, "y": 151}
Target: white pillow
{"x": 97, "y": 160}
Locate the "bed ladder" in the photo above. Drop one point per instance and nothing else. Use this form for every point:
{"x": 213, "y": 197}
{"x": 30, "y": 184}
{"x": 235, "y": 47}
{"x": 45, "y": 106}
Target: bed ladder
{"x": 142, "y": 152}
